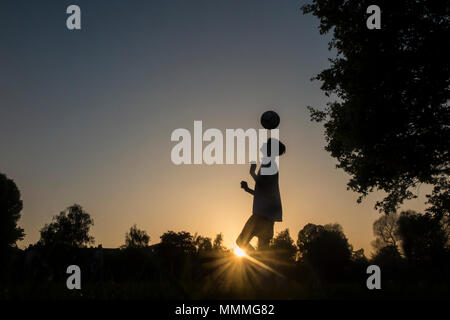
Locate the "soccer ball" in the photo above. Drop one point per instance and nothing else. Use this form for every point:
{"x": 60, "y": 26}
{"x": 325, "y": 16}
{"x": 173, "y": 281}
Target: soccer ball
{"x": 270, "y": 120}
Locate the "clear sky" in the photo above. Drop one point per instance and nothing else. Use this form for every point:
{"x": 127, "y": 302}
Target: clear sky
{"x": 86, "y": 116}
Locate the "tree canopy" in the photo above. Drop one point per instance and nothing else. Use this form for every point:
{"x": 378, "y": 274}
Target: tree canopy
{"x": 218, "y": 242}
{"x": 325, "y": 248}
{"x": 71, "y": 228}
{"x": 177, "y": 242}
{"x": 388, "y": 126}
{"x": 424, "y": 238}
{"x": 10, "y": 208}
{"x": 284, "y": 246}
{"x": 385, "y": 230}
{"x": 202, "y": 244}
{"x": 136, "y": 238}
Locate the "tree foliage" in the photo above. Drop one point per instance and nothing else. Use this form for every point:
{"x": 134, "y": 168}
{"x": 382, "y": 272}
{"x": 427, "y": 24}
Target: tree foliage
{"x": 385, "y": 230}
{"x": 283, "y": 246}
{"x": 70, "y": 228}
{"x": 389, "y": 126}
{"x": 387, "y": 256}
{"x": 439, "y": 199}
{"x": 424, "y": 238}
{"x": 325, "y": 248}
{"x": 202, "y": 244}
{"x": 177, "y": 243}
{"x": 10, "y": 208}
{"x": 218, "y": 243}
{"x": 136, "y": 238}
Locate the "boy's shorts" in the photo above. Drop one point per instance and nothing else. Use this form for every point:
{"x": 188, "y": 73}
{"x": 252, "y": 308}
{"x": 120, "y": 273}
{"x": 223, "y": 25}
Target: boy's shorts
{"x": 258, "y": 226}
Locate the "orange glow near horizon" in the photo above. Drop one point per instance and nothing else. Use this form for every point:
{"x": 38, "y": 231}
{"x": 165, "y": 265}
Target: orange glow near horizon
{"x": 138, "y": 187}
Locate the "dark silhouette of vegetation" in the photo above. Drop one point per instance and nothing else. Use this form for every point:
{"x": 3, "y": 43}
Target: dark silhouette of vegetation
{"x": 136, "y": 238}
{"x": 202, "y": 244}
{"x": 424, "y": 255}
{"x": 184, "y": 266}
{"x": 70, "y": 228}
{"x": 423, "y": 237}
{"x": 325, "y": 249}
{"x": 388, "y": 127}
{"x": 10, "y": 207}
{"x": 385, "y": 230}
{"x": 439, "y": 200}
{"x": 284, "y": 247}
{"x": 412, "y": 250}
{"x": 177, "y": 243}
{"x": 218, "y": 243}
{"x": 387, "y": 256}
{"x": 387, "y": 239}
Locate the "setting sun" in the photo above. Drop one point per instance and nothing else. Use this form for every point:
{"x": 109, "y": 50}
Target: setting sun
{"x": 239, "y": 252}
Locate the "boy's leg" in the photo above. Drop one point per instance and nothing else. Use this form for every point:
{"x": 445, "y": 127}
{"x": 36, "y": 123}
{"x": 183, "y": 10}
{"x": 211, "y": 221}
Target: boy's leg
{"x": 263, "y": 243}
{"x": 247, "y": 233}
{"x": 265, "y": 233}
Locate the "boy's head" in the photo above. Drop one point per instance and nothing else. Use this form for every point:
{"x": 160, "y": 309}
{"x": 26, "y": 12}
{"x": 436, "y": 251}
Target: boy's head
{"x": 268, "y": 147}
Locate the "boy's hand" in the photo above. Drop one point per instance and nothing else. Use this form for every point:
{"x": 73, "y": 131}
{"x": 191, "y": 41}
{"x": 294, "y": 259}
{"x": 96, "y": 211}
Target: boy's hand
{"x": 244, "y": 186}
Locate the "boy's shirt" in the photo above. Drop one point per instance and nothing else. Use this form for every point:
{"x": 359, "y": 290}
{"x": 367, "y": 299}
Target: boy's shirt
{"x": 267, "y": 199}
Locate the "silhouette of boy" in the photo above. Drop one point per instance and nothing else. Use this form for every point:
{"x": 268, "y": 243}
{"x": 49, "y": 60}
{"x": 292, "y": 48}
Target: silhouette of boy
{"x": 266, "y": 200}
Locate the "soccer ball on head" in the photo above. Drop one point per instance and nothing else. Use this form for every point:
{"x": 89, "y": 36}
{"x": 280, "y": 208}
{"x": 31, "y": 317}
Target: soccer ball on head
{"x": 270, "y": 120}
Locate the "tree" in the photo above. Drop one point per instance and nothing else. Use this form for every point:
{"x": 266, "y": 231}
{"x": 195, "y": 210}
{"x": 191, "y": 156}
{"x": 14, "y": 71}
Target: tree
{"x": 71, "y": 228}
{"x": 218, "y": 243}
{"x": 10, "y": 207}
{"x": 177, "y": 243}
{"x": 423, "y": 237}
{"x": 385, "y": 230}
{"x": 388, "y": 127}
{"x": 439, "y": 200}
{"x": 203, "y": 244}
{"x": 359, "y": 256}
{"x": 177, "y": 250}
{"x": 136, "y": 238}
{"x": 387, "y": 256}
{"x": 325, "y": 248}
{"x": 284, "y": 246}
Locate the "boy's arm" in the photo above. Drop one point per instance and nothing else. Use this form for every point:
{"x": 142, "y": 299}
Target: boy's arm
{"x": 252, "y": 192}
{"x": 253, "y": 171}
{"x": 244, "y": 186}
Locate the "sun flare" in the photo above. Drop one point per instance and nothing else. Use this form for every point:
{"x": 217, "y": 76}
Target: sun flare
{"x": 239, "y": 252}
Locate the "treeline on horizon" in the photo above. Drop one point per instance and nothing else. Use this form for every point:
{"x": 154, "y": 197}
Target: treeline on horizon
{"x": 412, "y": 250}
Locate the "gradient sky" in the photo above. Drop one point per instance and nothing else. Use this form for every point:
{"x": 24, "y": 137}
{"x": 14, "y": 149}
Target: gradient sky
{"x": 86, "y": 116}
